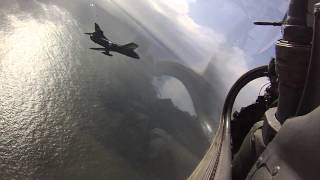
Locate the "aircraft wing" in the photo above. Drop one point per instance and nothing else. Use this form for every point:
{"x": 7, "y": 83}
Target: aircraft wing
{"x": 98, "y": 49}
{"x": 98, "y": 30}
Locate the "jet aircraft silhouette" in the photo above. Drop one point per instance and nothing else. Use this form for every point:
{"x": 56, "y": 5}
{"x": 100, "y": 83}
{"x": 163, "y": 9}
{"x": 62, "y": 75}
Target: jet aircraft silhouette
{"x": 99, "y": 38}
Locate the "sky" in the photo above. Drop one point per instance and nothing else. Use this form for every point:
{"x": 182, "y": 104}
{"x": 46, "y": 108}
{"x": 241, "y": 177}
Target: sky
{"x": 215, "y": 33}
{"x": 204, "y": 28}
{"x": 205, "y": 35}
{"x": 52, "y": 56}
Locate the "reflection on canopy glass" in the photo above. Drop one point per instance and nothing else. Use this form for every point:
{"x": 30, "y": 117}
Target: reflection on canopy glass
{"x": 67, "y": 112}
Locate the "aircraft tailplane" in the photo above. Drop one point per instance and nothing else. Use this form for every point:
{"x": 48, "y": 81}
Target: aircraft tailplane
{"x": 128, "y": 50}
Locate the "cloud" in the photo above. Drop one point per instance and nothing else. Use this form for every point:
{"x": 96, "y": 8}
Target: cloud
{"x": 199, "y": 47}
{"x": 171, "y": 88}
{"x": 170, "y": 22}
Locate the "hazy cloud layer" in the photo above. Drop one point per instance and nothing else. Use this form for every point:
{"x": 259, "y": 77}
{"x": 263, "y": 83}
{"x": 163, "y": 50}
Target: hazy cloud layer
{"x": 195, "y": 44}
{"x": 173, "y": 89}
{"x": 198, "y": 43}
{"x": 175, "y": 23}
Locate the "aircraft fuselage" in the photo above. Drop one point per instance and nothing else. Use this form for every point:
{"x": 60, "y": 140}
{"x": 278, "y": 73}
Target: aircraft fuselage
{"x": 104, "y": 42}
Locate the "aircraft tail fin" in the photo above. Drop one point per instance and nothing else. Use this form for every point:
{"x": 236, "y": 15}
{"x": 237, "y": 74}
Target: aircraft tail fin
{"x": 130, "y": 46}
{"x": 97, "y": 27}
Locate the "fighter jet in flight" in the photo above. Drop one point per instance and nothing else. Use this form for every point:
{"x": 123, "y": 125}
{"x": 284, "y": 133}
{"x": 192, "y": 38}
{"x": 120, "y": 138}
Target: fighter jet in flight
{"x": 99, "y": 38}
